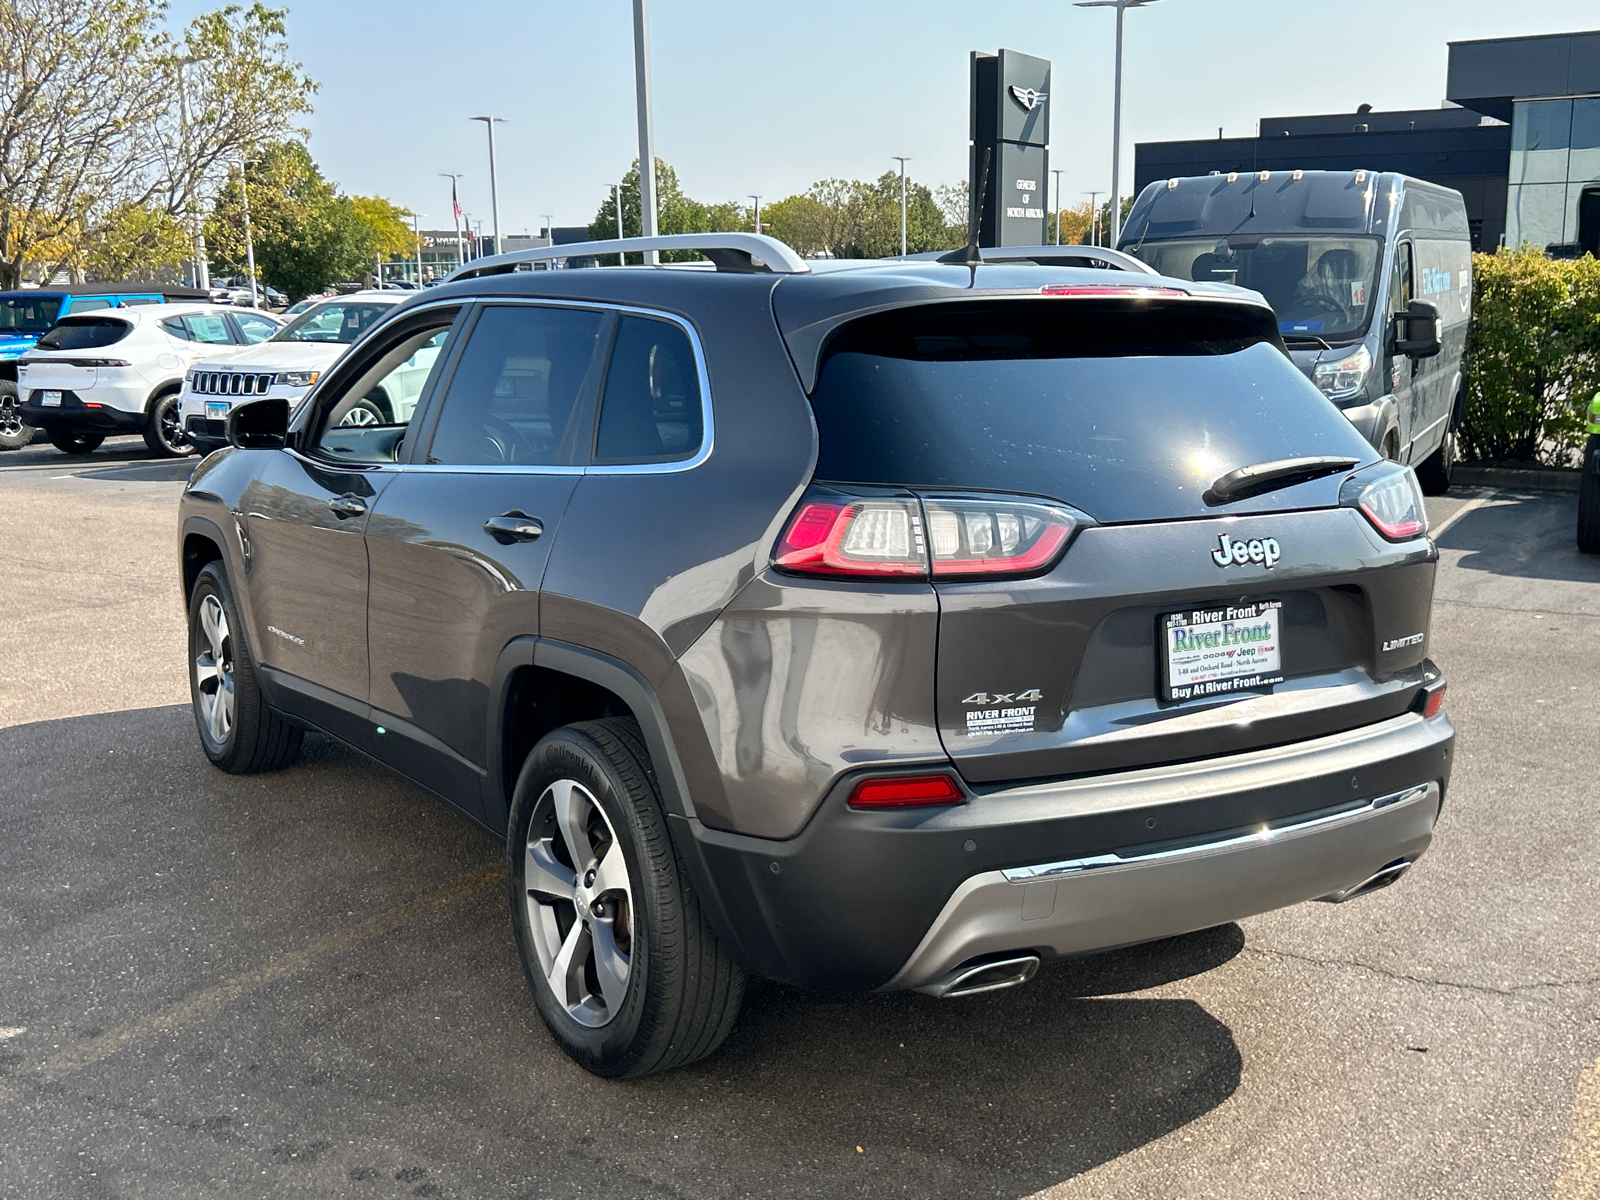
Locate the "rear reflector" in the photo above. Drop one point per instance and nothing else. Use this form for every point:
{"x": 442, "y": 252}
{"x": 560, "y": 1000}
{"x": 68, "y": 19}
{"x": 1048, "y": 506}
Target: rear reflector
{"x": 947, "y": 536}
{"x": 1434, "y": 704}
{"x": 908, "y": 791}
{"x": 1107, "y": 289}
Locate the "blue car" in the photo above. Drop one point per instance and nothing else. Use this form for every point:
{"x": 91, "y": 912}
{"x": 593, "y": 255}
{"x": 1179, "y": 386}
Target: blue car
{"x": 27, "y": 314}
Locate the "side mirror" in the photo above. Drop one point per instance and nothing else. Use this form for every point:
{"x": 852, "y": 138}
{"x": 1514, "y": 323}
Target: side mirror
{"x": 1416, "y": 331}
{"x": 259, "y": 425}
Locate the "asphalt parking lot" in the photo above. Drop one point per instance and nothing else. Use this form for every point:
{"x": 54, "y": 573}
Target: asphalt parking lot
{"x": 304, "y": 983}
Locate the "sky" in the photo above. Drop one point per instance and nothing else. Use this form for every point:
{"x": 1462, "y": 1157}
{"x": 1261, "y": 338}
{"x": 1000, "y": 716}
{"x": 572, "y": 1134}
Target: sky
{"x": 768, "y": 98}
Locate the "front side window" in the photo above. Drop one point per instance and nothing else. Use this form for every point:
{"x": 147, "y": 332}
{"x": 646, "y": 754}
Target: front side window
{"x": 513, "y": 396}
{"x": 210, "y": 328}
{"x": 87, "y": 333}
{"x": 255, "y": 329}
{"x": 650, "y": 411}
{"x": 1400, "y": 291}
{"x": 340, "y": 321}
{"x": 375, "y": 409}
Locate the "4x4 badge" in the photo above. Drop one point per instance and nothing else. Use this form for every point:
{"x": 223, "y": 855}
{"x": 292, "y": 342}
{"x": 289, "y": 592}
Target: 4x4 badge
{"x": 984, "y": 699}
{"x": 1261, "y": 551}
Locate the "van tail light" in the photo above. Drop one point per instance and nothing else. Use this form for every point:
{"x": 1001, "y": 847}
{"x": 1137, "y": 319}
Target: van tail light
{"x": 906, "y": 791}
{"x": 1390, "y": 497}
{"x": 945, "y": 536}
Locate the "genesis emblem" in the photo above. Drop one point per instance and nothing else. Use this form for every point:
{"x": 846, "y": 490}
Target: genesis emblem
{"x": 1029, "y": 98}
{"x": 1261, "y": 551}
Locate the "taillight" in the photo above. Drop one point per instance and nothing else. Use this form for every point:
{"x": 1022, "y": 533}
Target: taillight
{"x": 911, "y": 791}
{"x": 1390, "y": 497}
{"x": 945, "y": 536}
{"x": 982, "y": 537}
{"x": 1433, "y": 699}
{"x": 830, "y": 536}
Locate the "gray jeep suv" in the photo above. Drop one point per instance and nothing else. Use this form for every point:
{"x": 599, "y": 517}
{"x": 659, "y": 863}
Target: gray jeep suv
{"x": 893, "y": 625}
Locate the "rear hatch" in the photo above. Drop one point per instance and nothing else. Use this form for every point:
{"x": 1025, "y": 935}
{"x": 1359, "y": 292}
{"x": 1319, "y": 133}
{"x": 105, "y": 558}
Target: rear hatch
{"x": 1187, "y": 616}
{"x": 69, "y": 357}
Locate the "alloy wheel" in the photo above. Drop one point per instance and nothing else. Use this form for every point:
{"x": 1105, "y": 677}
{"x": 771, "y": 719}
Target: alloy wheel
{"x": 213, "y": 671}
{"x": 580, "y": 905}
{"x": 361, "y": 414}
{"x": 170, "y": 429}
{"x": 11, "y": 425}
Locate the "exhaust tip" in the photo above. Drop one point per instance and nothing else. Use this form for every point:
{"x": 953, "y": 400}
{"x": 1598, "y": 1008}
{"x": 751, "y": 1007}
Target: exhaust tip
{"x": 1377, "y": 880}
{"x": 971, "y": 978}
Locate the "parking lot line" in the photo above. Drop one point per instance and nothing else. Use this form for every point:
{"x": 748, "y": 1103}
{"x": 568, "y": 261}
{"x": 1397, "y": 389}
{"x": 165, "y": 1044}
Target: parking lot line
{"x": 1475, "y": 503}
{"x": 1580, "y": 1165}
{"x": 209, "y": 1001}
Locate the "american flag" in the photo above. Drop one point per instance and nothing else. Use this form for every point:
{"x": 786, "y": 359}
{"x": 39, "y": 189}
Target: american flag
{"x": 454, "y": 203}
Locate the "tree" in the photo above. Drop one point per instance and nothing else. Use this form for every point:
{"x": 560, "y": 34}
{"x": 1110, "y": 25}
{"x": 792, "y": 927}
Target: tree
{"x": 93, "y": 122}
{"x": 675, "y": 213}
{"x": 135, "y": 241}
{"x": 303, "y": 240}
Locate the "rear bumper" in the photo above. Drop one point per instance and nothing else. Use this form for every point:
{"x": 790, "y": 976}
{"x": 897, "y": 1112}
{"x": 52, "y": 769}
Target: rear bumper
{"x": 896, "y": 899}
{"x": 73, "y": 413}
{"x": 1085, "y": 904}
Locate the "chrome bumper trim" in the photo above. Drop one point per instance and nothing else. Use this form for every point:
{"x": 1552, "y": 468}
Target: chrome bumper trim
{"x": 1202, "y": 849}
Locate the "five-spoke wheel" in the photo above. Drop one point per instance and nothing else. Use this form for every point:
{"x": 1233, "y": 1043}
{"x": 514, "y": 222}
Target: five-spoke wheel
{"x": 580, "y": 908}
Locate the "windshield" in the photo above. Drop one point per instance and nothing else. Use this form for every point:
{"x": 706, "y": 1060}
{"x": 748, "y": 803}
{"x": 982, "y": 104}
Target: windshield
{"x": 1321, "y": 287}
{"x": 1128, "y": 414}
{"x": 335, "y": 321}
{"x": 28, "y": 314}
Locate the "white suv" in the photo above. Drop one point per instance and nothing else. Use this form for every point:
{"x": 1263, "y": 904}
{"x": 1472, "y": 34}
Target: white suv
{"x": 119, "y": 371}
{"x": 286, "y": 365}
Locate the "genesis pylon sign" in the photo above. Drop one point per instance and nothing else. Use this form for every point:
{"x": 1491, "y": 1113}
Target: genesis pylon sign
{"x": 1011, "y": 120}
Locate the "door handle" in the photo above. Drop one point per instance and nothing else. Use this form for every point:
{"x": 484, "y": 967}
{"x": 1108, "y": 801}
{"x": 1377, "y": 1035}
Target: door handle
{"x": 348, "y": 505}
{"x": 513, "y": 526}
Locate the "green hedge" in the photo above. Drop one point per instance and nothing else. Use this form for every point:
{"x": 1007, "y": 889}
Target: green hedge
{"x": 1533, "y": 357}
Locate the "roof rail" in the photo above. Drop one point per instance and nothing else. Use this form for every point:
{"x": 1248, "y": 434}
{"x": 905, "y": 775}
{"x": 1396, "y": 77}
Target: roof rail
{"x": 740, "y": 253}
{"x": 1048, "y": 255}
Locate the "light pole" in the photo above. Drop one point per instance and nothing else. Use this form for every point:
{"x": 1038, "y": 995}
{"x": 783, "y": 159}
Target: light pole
{"x": 902, "y": 159}
{"x": 1056, "y": 171}
{"x": 647, "y": 134}
{"x": 1094, "y": 219}
{"x": 417, "y": 238}
{"x": 249, "y": 244}
{"x": 757, "y": 199}
{"x": 197, "y": 236}
{"x": 455, "y": 208}
{"x": 494, "y": 189}
{"x": 549, "y": 228}
{"x": 1121, "y": 6}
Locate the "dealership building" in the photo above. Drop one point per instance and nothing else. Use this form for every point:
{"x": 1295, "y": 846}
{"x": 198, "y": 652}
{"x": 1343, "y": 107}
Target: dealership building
{"x": 1518, "y": 136}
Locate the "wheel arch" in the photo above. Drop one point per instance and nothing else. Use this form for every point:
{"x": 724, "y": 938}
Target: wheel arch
{"x": 169, "y": 388}
{"x": 203, "y": 544}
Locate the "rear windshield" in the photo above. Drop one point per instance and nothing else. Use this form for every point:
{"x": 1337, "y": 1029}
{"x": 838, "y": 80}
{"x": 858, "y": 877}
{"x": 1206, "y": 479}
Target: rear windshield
{"x": 84, "y": 333}
{"x": 1129, "y": 416}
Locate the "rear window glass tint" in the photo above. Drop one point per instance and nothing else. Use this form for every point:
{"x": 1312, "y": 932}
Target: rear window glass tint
{"x": 651, "y": 407}
{"x": 1127, "y": 415}
{"x": 87, "y": 334}
{"x": 516, "y": 387}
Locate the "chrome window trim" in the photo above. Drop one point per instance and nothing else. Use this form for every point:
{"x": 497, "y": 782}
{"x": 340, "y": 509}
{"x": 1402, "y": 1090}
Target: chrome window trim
{"x": 1204, "y": 848}
{"x": 707, "y": 426}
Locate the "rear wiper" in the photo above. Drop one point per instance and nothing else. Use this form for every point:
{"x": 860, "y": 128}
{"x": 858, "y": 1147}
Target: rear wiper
{"x": 1244, "y": 482}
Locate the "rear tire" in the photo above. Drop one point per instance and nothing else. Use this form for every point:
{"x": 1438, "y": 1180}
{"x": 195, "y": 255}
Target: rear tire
{"x": 13, "y": 433}
{"x": 71, "y": 441}
{"x": 623, "y": 966}
{"x": 238, "y": 731}
{"x": 1589, "y": 498}
{"x": 163, "y": 431}
{"x": 1434, "y": 471}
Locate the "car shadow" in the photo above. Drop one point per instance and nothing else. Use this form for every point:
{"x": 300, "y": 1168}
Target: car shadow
{"x": 1529, "y": 535}
{"x": 114, "y": 456}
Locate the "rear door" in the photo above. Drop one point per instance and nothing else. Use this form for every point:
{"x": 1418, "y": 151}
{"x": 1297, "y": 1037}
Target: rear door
{"x": 459, "y": 540}
{"x": 1130, "y": 414}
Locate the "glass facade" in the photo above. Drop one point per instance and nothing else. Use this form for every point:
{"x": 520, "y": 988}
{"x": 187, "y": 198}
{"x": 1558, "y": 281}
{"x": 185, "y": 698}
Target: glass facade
{"x": 1553, "y": 198}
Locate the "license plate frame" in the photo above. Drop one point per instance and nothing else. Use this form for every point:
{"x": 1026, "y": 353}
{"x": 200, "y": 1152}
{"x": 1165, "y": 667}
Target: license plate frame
{"x": 1227, "y": 649}
{"x": 217, "y": 410}
{"x": 50, "y": 399}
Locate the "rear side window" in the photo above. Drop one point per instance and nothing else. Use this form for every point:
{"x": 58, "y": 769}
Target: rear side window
{"x": 211, "y": 328}
{"x": 1128, "y": 415}
{"x": 88, "y": 305}
{"x": 650, "y": 411}
{"x": 85, "y": 333}
{"x": 515, "y": 390}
